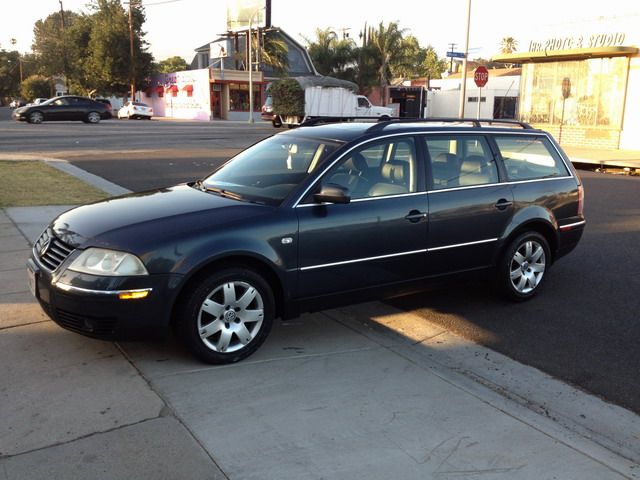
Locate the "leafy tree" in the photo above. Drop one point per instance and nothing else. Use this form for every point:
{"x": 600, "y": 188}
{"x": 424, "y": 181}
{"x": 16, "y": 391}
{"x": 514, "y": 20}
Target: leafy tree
{"x": 9, "y": 73}
{"x": 172, "y": 64}
{"x": 108, "y": 66}
{"x": 35, "y": 86}
{"x": 51, "y": 44}
{"x": 93, "y": 49}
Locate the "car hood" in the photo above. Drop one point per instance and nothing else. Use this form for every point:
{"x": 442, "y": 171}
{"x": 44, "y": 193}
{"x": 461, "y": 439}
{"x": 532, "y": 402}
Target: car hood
{"x": 141, "y": 219}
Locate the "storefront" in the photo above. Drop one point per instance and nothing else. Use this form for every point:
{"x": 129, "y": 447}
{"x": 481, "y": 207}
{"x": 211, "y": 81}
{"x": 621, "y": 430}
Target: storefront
{"x": 583, "y": 86}
{"x": 204, "y": 94}
{"x": 230, "y": 94}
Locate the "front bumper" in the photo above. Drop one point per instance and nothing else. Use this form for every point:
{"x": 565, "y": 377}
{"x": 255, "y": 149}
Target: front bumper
{"x": 92, "y": 306}
{"x": 21, "y": 117}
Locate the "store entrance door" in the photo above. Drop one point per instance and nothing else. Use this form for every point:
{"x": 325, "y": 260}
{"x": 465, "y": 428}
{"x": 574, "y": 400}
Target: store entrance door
{"x": 216, "y": 102}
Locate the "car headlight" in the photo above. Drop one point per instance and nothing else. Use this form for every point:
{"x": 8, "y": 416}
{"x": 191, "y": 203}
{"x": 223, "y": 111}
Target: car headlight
{"x": 110, "y": 263}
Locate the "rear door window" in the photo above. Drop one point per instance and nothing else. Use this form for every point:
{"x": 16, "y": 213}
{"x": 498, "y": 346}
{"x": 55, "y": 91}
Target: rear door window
{"x": 460, "y": 161}
{"x": 530, "y": 158}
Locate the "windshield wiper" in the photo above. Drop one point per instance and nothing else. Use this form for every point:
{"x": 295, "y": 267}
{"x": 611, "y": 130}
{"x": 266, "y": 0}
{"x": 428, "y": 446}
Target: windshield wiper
{"x": 222, "y": 192}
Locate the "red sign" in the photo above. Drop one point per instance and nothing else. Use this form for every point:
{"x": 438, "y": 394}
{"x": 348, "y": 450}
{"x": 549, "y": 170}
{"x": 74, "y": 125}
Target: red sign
{"x": 481, "y": 76}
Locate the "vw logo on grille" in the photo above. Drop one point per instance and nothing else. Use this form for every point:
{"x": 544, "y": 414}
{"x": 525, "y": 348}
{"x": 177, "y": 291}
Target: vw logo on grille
{"x": 44, "y": 247}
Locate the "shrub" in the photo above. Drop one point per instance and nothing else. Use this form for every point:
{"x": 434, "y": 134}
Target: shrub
{"x": 288, "y": 97}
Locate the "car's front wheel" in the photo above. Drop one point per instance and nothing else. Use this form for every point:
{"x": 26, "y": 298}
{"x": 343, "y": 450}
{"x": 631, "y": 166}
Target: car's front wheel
{"x": 36, "y": 117}
{"x": 226, "y": 316}
{"x": 93, "y": 117}
{"x": 523, "y": 266}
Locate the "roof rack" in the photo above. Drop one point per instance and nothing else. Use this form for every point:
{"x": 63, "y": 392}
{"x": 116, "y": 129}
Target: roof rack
{"x": 476, "y": 122}
{"x": 310, "y": 122}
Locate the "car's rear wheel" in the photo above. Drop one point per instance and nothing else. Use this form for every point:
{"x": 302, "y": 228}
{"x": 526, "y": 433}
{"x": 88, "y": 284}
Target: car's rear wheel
{"x": 227, "y": 316}
{"x": 523, "y": 266}
{"x": 36, "y": 117}
{"x": 93, "y": 117}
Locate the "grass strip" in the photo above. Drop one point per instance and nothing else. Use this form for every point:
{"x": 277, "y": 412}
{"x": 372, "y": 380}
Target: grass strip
{"x": 32, "y": 183}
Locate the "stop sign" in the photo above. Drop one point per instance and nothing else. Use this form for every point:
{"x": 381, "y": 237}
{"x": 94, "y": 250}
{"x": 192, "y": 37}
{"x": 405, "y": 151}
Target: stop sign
{"x": 481, "y": 76}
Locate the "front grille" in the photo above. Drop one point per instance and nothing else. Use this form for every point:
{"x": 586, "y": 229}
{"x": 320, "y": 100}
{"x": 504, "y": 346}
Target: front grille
{"x": 50, "y": 250}
{"x": 98, "y": 326}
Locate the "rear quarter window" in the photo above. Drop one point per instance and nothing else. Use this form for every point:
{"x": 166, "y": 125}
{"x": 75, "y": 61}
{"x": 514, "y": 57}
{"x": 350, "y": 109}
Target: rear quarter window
{"x": 530, "y": 158}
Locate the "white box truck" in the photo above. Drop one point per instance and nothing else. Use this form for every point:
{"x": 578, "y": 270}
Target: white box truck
{"x": 333, "y": 99}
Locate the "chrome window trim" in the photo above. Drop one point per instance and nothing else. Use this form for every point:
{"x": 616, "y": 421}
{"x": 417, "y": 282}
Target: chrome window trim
{"x": 381, "y": 257}
{"x": 366, "y": 199}
{"x": 86, "y": 291}
{"x": 442, "y": 132}
{"x": 496, "y": 184}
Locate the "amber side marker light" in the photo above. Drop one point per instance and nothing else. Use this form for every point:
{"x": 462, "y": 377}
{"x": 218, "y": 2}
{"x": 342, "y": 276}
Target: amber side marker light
{"x": 133, "y": 295}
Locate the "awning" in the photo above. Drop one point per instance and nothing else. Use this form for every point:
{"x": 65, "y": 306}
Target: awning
{"x": 160, "y": 90}
{"x": 188, "y": 88}
{"x": 172, "y": 89}
{"x": 563, "y": 55}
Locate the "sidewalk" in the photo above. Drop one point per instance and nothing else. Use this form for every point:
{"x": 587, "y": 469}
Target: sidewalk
{"x": 360, "y": 392}
{"x": 608, "y": 158}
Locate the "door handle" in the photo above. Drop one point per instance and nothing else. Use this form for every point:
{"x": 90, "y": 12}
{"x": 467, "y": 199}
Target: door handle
{"x": 415, "y": 216}
{"x": 503, "y": 203}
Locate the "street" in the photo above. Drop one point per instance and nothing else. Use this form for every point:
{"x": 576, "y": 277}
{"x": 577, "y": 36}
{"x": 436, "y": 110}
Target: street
{"x": 582, "y": 329}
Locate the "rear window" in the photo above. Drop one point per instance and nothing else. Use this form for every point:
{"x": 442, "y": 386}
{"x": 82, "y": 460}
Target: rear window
{"x": 530, "y": 158}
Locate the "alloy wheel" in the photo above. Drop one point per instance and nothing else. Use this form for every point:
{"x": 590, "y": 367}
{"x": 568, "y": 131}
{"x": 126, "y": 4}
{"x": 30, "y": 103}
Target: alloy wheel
{"x": 527, "y": 266}
{"x": 230, "y": 317}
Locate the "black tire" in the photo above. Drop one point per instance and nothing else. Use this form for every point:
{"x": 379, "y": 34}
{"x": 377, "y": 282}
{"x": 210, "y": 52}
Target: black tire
{"x": 276, "y": 122}
{"x": 36, "y": 117}
{"x": 234, "y": 308}
{"x": 524, "y": 266}
{"x": 384, "y": 118}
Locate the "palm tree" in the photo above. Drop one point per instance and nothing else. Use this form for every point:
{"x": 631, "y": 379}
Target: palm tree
{"x": 508, "y": 45}
{"x": 385, "y": 44}
{"x": 332, "y": 55}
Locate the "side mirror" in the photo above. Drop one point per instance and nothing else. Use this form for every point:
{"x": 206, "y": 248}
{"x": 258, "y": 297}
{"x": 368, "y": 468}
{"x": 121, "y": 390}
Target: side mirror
{"x": 332, "y": 194}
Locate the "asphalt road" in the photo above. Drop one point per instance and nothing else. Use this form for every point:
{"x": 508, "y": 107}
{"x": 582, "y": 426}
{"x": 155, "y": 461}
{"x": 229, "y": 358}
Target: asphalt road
{"x": 583, "y": 328}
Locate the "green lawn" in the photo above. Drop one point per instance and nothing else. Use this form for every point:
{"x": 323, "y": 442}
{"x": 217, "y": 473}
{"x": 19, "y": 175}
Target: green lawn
{"x": 31, "y": 183}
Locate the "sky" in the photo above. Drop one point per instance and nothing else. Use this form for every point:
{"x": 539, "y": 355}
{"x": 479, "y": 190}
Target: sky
{"x": 177, "y": 27}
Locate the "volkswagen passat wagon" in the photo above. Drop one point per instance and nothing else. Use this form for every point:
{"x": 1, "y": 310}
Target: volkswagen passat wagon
{"x": 306, "y": 219}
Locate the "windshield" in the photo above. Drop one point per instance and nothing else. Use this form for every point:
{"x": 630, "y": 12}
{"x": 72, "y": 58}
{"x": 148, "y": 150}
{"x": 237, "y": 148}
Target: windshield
{"x": 269, "y": 170}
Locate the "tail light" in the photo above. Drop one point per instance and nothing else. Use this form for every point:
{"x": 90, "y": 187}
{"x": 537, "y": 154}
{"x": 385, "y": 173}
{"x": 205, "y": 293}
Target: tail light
{"x": 580, "y": 200}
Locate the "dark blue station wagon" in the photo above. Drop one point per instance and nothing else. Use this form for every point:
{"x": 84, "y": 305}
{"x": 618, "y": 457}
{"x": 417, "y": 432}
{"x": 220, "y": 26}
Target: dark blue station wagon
{"x": 307, "y": 219}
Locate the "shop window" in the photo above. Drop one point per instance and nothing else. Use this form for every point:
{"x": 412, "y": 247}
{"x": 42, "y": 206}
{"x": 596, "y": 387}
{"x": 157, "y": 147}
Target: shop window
{"x": 239, "y": 97}
{"x": 596, "y": 97}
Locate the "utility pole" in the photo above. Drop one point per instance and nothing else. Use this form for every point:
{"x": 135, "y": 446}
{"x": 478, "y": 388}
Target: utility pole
{"x": 132, "y": 59}
{"x": 64, "y": 48}
{"x": 463, "y": 86}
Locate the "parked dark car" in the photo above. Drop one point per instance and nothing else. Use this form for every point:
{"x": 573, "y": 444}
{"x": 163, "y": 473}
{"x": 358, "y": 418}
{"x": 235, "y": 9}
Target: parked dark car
{"x": 307, "y": 219}
{"x": 66, "y": 107}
